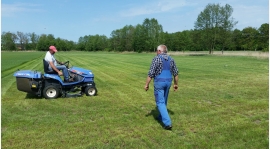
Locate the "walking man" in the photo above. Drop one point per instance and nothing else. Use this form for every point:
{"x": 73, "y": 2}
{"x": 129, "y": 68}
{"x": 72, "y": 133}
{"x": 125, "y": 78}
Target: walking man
{"x": 162, "y": 69}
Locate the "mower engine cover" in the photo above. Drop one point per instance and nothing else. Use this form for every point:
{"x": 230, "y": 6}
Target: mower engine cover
{"x": 89, "y": 76}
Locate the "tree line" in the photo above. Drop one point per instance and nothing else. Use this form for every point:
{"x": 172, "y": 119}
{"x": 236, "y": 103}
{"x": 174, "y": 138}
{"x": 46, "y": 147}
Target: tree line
{"x": 32, "y": 41}
{"x": 213, "y": 31}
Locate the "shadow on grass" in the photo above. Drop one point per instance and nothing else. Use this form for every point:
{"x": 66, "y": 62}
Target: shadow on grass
{"x": 32, "y": 96}
{"x": 155, "y": 114}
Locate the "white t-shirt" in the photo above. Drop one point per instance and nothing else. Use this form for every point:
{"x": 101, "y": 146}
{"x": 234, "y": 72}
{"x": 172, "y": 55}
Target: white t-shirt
{"x": 50, "y": 58}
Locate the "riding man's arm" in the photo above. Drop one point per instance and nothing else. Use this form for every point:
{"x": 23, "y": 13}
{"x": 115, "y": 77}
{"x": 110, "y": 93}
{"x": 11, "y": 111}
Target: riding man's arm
{"x": 59, "y": 62}
{"x": 55, "y": 69}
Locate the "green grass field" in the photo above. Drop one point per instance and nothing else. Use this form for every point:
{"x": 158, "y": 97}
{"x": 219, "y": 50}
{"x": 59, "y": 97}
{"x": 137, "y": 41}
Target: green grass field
{"x": 222, "y": 102}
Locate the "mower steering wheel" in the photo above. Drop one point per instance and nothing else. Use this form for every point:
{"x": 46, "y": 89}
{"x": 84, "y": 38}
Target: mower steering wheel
{"x": 66, "y": 64}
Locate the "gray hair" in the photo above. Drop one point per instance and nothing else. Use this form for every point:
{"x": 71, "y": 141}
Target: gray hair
{"x": 162, "y": 48}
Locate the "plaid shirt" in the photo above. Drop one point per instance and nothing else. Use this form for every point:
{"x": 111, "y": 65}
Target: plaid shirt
{"x": 157, "y": 66}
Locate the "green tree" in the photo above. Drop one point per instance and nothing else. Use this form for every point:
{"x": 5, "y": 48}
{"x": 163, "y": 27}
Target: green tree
{"x": 34, "y": 40}
{"x": 236, "y": 40}
{"x": 8, "y": 41}
{"x": 61, "y": 44}
{"x": 82, "y": 43}
{"x": 176, "y": 40}
{"x": 185, "y": 40}
{"x": 128, "y": 36}
{"x": 196, "y": 40}
{"x": 140, "y": 39}
{"x": 153, "y": 33}
{"x": 45, "y": 41}
{"x": 90, "y": 43}
{"x": 116, "y": 40}
{"x": 249, "y": 38}
{"x": 71, "y": 45}
{"x": 168, "y": 40}
{"x": 227, "y": 24}
{"x": 42, "y": 44}
{"x": 23, "y": 39}
{"x": 264, "y": 37}
{"x": 213, "y": 22}
{"x": 93, "y": 42}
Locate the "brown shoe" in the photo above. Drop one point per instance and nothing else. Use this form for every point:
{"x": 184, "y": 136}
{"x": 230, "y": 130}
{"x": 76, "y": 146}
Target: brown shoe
{"x": 69, "y": 80}
{"x": 168, "y": 127}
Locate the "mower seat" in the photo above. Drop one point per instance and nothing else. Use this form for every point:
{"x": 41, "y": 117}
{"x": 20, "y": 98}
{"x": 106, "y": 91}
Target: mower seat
{"x": 46, "y": 68}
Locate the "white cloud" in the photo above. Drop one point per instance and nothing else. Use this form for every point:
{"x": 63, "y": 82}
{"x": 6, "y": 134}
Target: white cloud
{"x": 8, "y": 10}
{"x": 105, "y": 19}
{"x": 170, "y": 5}
{"x": 155, "y": 7}
{"x": 250, "y": 15}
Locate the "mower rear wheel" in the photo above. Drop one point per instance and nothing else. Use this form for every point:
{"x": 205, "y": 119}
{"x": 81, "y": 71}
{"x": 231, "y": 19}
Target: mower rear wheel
{"x": 50, "y": 92}
{"x": 90, "y": 91}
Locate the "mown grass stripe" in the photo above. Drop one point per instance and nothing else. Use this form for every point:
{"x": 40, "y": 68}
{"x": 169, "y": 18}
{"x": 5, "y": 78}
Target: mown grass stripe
{"x": 10, "y": 79}
{"x": 116, "y": 75}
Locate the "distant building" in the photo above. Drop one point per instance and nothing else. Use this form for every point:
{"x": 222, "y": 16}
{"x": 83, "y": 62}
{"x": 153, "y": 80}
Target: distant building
{"x": 19, "y": 46}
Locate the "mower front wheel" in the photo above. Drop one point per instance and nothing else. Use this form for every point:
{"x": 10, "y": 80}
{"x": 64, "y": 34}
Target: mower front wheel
{"x": 90, "y": 91}
{"x": 50, "y": 92}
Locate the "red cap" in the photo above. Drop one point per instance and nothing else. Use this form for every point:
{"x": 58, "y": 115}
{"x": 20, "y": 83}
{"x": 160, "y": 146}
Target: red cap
{"x": 53, "y": 48}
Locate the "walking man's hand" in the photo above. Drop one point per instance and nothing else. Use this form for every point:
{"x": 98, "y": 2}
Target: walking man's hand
{"x": 146, "y": 87}
{"x": 175, "y": 87}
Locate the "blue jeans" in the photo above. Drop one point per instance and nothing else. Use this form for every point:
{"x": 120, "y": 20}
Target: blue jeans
{"x": 161, "y": 92}
{"x": 64, "y": 70}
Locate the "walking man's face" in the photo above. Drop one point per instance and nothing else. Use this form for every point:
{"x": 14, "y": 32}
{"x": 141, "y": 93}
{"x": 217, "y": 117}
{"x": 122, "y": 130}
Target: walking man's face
{"x": 158, "y": 51}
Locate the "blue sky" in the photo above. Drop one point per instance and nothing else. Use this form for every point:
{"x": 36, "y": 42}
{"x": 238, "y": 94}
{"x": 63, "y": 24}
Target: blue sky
{"x": 71, "y": 19}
